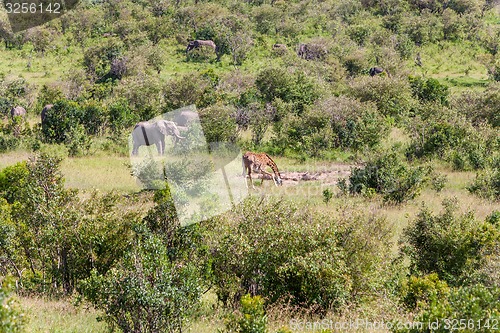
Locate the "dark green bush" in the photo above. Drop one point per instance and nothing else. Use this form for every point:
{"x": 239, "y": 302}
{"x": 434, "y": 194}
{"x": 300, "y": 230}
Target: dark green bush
{"x": 12, "y": 319}
{"x": 486, "y": 184}
{"x": 393, "y": 97}
{"x": 121, "y": 116}
{"x": 390, "y": 176}
{"x": 295, "y": 87}
{"x": 336, "y": 122}
{"x": 288, "y": 252}
{"x": 450, "y": 244}
{"x": 8, "y": 142}
{"x": 429, "y": 90}
{"x": 468, "y": 308}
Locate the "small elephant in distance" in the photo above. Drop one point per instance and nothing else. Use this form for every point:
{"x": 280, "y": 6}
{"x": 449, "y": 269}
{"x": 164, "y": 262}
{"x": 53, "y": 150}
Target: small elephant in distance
{"x": 18, "y": 111}
{"x": 376, "y": 70}
{"x": 147, "y": 134}
{"x": 46, "y": 109}
{"x": 185, "y": 117}
{"x": 194, "y": 44}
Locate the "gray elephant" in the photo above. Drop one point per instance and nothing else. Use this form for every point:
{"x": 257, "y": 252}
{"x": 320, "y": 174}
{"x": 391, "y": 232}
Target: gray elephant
{"x": 376, "y": 70}
{"x": 147, "y": 134}
{"x": 183, "y": 118}
{"x": 18, "y": 111}
{"x": 43, "y": 115}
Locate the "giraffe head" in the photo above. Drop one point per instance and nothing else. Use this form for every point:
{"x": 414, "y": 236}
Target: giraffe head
{"x": 278, "y": 180}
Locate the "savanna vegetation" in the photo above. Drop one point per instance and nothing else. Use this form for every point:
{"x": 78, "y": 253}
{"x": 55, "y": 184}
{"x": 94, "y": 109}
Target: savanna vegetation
{"x": 410, "y": 234}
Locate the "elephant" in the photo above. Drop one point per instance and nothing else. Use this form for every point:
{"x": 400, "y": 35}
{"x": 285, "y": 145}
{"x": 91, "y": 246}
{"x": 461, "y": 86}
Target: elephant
{"x": 194, "y": 44}
{"x": 183, "y": 118}
{"x": 376, "y": 70}
{"x": 146, "y": 133}
{"x": 43, "y": 115}
{"x": 302, "y": 51}
{"x": 18, "y": 111}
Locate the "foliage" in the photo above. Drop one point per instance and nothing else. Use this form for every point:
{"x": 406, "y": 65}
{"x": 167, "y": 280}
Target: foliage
{"x": 320, "y": 264}
{"x": 418, "y": 292}
{"x": 58, "y": 238}
{"x": 450, "y": 244}
{"x": 429, "y": 90}
{"x": 218, "y": 123}
{"x": 146, "y": 291}
{"x": 11, "y": 318}
{"x": 390, "y": 176}
{"x": 468, "y": 308}
{"x": 393, "y": 97}
{"x": 297, "y": 88}
{"x": 157, "y": 283}
{"x": 479, "y": 106}
{"x": 486, "y": 184}
{"x": 336, "y": 122}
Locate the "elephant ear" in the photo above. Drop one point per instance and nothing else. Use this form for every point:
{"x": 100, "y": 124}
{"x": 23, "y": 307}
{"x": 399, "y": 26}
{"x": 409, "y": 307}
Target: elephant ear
{"x": 162, "y": 126}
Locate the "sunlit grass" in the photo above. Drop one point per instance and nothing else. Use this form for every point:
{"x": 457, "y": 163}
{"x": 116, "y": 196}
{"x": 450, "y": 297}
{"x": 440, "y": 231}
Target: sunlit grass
{"x": 59, "y": 317}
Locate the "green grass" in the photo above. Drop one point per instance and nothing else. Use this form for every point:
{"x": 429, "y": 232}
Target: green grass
{"x": 50, "y": 316}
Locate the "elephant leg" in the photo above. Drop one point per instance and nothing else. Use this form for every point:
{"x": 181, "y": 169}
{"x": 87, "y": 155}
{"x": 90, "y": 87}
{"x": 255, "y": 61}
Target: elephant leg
{"x": 135, "y": 150}
{"x": 159, "y": 148}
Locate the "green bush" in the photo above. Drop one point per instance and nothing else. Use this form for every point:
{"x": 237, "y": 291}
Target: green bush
{"x": 429, "y": 90}
{"x": 295, "y": 87}
{"x": 468, "y": 308}
{"x": 486, "y": 184}
{"x": 321, "y": 264}
{"x": 12, "y": 319}
{"x": 218, "y": 123}
{"x": 393, "y": 97}
{"x": 390, "y": 176}
{"x": 252, "y": 318}
{"x": 146, "y": 291}
{"x": 450, "y": 244}
{"x": 121, "y": 116}
{"x": 8, "y": 142}
{"x": 419, "y": 292}
{"x": 336, "y": 122}
{"x": 480, "y": 106}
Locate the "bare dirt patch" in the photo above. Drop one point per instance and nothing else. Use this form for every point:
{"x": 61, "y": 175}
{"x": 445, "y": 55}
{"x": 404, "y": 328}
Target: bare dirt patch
{"x": 328, "y": 175}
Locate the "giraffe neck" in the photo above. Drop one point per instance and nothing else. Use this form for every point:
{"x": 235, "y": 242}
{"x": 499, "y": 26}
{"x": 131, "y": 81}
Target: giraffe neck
{"x": 273, "y": 166}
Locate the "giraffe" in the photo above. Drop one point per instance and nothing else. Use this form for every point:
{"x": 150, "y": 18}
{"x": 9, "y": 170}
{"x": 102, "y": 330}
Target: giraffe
{"x": 256, "y": 162}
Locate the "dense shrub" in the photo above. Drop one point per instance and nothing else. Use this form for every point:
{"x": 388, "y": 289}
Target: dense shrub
{"x": 449, "y": 244}
{"x": 98, "y": 59}
{"x": 469, "y": 308}
{"x": 11, "y": 318}
{"x": 449, "y": 137}
{"x": 218, "y": 123}
{"x": 121, "y": 116}
{"x": 418, "y": 292}
{"x": 479, "y": 106}
{"x": 294, "y": 87}
{"x": 429, "y": 90}
{"x": 292, "y": 253}
{"x": 486, "y": 184}
{"x": 389, "y": 175}
{"x": 393, "y": 97}
{"x": 146, "y": 291}
{"x": 156, "y": 284}
{"x": 187, "y": 90}
{"x": 52, "y": 225}
{"x": 336, "y": 122}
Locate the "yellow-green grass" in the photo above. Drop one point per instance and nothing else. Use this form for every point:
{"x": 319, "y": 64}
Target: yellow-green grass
{"x": 44, "y": 316}
{"x": 459, "y": 65}
{"x": 105, "y": 173}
